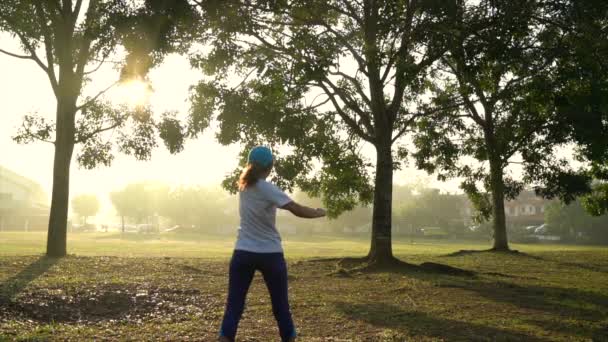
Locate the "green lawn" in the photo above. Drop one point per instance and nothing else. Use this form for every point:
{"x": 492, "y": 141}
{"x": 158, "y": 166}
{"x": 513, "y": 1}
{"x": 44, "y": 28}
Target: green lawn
{"x": 162, "y": 287}
{"x": 199, "y": 246}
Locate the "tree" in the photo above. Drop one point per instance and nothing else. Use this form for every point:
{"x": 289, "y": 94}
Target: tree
{"x": 501, "y": 64}
{"x": 572, "y": 222}
{"x": 138, "y": 201}
{"x": 195, "y": 205}
{"x": 322, "y": 78}
{"x": 70, "y": 41}
{"x": 85, "y": 206}
{"x": 582, "y": 94}
{"x": 435, "y": 209}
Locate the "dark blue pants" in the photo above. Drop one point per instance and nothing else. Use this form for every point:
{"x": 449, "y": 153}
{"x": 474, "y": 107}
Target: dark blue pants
{"x": 242, "y": 268}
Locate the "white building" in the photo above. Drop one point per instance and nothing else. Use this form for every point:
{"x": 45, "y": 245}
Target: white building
{"x": 23, "y": 203}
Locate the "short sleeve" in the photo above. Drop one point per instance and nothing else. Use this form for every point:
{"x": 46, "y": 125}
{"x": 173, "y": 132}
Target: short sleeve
{"x": 275, "y": 195}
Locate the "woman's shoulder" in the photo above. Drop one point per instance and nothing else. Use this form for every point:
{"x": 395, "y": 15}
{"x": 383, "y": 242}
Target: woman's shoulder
{"x": 266, "y": 186}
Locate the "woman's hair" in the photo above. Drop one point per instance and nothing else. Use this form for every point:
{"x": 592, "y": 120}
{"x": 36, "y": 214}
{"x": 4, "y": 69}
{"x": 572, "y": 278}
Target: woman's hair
{"x": 251, "y": 174}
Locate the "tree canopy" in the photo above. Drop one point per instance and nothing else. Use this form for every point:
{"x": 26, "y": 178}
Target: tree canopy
{"x": 70, "y": 41}
{"x": 322, "y": 79}
{"x": 502, "y": 63}
{"x": 85, "y": 206}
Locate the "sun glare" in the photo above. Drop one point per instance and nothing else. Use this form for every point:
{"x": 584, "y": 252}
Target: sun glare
{"x": 134, "y": 93}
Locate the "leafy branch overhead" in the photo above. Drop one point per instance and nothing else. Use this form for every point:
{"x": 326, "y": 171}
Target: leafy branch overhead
{"x": 75, "y": 41}
{"x": 321, "y": 78}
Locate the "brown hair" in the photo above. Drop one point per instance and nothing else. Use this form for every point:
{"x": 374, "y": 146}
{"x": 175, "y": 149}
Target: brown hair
{"x": 251, "y": 174}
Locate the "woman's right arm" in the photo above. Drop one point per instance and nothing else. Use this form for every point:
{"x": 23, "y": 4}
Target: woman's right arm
{"x": 303, "y": 211}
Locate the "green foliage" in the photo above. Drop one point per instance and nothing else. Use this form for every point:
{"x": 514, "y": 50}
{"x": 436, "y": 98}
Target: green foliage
{"x": 582, "y": 95}
{"x": 430, "y": 208}
{"x": 85, "y": 205}
{"x": 319, "y": 80}
{"x": 138, "y": 201}
{"x": 596, "y": 203}
{"x": 501, "y": 66}
{"x": 582, "y": 92}
{"x": 574, "y": 222}
{"x": 77, "y": 38}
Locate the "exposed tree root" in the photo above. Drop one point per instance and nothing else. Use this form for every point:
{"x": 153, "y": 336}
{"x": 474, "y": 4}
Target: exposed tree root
{"x": 491, "y": 250}
{"x": 349, "y": 266}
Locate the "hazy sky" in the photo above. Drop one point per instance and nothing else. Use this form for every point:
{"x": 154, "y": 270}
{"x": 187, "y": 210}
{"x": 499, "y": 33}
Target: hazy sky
{"x": 24, "y": 88}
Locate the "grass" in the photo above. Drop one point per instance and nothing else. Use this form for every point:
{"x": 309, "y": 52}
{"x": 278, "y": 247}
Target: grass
{"x": 162, "y": 287}
{"x": 213, "y": 246}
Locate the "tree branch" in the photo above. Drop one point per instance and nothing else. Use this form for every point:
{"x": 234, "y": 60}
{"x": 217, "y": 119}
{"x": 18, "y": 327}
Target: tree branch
{"x": 28, "y": 133}
{"x": 16, "y": 55}
{"x": 348, "y": 101}
{"x": 96, "y": 68}
{"x": 347, "y": 119}
{"x": 355, "y": 83}
{"x": 48, "y": 47}
{"x": 94, "y": 98}
{"x": 429, "y": 113}
{"x": 88, "y": 136}
{"x": 85, "y": 45}
{"x": 465, "y": 97}
{"x": 24, "y": 41}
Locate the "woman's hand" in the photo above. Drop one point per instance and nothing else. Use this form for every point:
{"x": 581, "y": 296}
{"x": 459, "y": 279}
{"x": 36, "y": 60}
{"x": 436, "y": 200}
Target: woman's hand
{"x": 321, "y": 212}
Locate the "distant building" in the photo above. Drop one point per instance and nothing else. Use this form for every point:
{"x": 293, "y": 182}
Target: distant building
{"x": 23, "y": 203}
{"x": 526, "y": 210}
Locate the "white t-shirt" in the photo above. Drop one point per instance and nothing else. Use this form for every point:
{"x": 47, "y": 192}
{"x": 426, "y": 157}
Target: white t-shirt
{"x": 258, "y": 210}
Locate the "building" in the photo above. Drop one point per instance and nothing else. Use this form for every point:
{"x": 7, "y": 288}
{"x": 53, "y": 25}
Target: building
{"x": 23, "y": 203}
{"x": 527, "y": 209}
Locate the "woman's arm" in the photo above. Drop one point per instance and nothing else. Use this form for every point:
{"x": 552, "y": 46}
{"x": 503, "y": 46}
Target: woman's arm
{"x": 303, "y": 211}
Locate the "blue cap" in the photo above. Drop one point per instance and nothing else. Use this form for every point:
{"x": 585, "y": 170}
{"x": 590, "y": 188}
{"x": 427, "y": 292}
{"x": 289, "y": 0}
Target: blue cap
{"x": 261, "y": 155}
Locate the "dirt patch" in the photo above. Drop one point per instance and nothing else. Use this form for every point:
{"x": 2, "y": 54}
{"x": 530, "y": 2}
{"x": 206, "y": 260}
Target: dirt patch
{"x": 106, "y": 302}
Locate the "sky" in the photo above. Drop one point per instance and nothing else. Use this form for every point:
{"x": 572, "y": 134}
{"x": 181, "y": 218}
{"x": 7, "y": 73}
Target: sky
{"x": 25, "y": 89}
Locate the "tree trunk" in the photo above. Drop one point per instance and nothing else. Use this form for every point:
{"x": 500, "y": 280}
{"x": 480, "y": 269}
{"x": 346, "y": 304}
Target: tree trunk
{"x": 498, "y": 205}
{"x": 381, "y": 250}
{"x": 122, "y": 220}
{"x": 64, "y": 147}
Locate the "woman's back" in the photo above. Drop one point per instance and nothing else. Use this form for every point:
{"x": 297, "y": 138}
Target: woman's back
{"x": 257, "y": 208}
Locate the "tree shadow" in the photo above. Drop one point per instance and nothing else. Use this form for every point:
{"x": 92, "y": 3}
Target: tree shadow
{"x": 586, "y": 332}
{"x": 586, "y": 267}
{"x": 422, "y": 324}
{"x": 564, "y": 302}
{"x": 14, "y": 285}
{"x": 464, "y": 252}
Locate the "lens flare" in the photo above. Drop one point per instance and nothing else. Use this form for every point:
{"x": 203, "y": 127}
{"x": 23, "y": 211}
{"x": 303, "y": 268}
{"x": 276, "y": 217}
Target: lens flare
{"x": 134, "y": 93}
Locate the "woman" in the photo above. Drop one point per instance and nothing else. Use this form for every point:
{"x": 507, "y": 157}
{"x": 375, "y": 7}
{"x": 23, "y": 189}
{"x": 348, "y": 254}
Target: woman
{"x": 258, "y": 245}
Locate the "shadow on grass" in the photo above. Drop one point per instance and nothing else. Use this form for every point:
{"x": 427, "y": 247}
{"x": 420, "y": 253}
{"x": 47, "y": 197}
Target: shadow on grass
{"x": 463, "y": 252}
{"x": 564, "y": 302}
{"x": 586, "y": 267}
{"x": 587, "y": 332}
{"x": 14, "y": 285}
{"x": 580, "y": 310}
{"x": 422, "y": 324}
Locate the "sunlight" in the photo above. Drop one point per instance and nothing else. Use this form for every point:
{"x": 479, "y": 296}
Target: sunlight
{"x": 134, "y": 93}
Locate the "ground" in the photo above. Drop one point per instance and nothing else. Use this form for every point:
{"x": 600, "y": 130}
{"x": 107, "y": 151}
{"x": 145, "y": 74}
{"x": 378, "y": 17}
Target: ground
{"x": 157, "y": 287}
